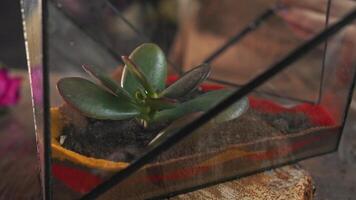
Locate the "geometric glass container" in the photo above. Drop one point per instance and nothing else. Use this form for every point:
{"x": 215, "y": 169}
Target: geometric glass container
{"x": 190, "y": 93}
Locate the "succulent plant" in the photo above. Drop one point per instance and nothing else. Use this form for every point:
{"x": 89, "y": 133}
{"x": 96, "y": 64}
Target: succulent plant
{"x": 142, "y": 93}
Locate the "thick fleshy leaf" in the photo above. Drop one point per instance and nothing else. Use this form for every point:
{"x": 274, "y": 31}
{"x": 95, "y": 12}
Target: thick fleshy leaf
{"x": 152, "y": 62}
{"x": 108, "y": 82}
{"x": 201, "y": 104}
{"x": 188, "y": 82}
{"x": 138, "y": 74}
{"x": 93, "y": 101}
{"x": 161, "y": 103}
{"x": 234, "y": 111}
{"x": 172, "y": 128}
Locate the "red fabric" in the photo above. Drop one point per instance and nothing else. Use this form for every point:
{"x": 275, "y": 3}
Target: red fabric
{"x": 171, "y": 79}
{"x": 76, "y": 179}
{"x": 317, "y": 114}
{"x": 82, "y": 181}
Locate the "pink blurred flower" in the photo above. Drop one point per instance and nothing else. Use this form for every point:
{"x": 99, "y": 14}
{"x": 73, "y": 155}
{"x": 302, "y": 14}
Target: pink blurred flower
{"x": 9, "y": 88}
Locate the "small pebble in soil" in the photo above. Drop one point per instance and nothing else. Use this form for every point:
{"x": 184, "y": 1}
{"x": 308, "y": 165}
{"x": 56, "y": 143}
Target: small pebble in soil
{"x": 62, "y": 138}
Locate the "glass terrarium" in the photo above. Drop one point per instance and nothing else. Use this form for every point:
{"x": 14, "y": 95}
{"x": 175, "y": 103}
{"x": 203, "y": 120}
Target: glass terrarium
{"x": 149, "y": 99}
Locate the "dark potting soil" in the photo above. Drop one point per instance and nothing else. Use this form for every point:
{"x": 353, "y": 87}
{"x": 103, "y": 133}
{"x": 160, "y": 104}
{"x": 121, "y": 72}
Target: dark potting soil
{"x": 125, "y": 140}
{"x": 250, "y": 127}
{"x": 120, "y": 140}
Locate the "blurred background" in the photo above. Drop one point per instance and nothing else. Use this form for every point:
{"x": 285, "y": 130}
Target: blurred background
{"x": 334, "y": 174}
{"x": 12, "y": 46}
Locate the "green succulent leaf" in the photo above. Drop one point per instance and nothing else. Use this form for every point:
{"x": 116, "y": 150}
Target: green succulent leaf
{"x": 161, "y": 103}
{"x": 172, "y": 128}
{"x": 108, "y": 82}
{"x": 188, "y": 82}
{"x": 93, "y": 101}
{"x": 152, "y": 62}
{"x": 234, "y": 111}
{"x": 203, "y": 103}
{"x": 138, "y": 74}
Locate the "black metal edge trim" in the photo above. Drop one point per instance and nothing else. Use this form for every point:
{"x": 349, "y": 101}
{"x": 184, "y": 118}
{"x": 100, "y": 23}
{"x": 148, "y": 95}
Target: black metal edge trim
{"x": 348, "y": 104}
{"x": 322, "y": 74}
{"x": 46, "y": 104}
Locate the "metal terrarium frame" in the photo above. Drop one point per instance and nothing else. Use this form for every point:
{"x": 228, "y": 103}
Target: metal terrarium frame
{"x": 39, "y": 74}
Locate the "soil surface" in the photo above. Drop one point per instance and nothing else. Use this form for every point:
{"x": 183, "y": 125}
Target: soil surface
{"x": 250, "y": 127}
{"x": 113, "y": 140}
{"x": 126, "y": 140}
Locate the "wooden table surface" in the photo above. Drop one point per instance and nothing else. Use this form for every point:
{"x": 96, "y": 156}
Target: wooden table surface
{"x": 289, "y": 182}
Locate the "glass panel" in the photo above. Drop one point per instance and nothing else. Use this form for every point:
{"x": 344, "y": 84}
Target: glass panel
{"x": 32, "y": 22}
{"x": 263, "y": 46}
{"x": 120, "y": 27}
{"x": 339, "y": 73}
{"x": 270, "y": 133}
{"x": 107, "y": 128}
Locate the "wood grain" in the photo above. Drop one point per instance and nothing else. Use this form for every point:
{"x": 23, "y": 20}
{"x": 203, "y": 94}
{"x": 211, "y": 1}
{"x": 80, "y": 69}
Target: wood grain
{"x": 288, "y": 182}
